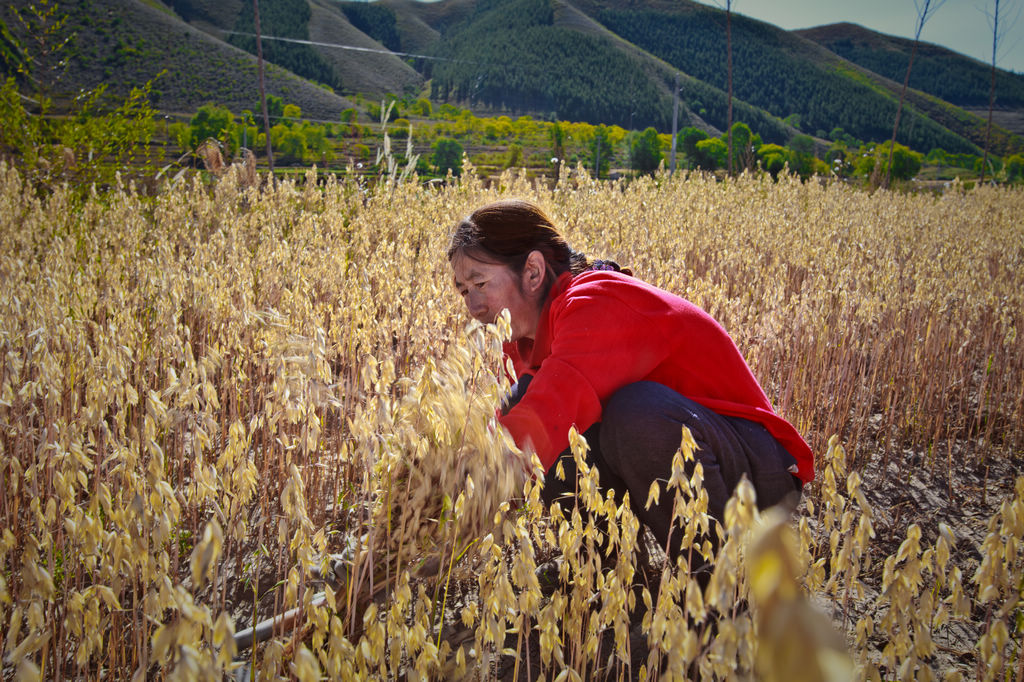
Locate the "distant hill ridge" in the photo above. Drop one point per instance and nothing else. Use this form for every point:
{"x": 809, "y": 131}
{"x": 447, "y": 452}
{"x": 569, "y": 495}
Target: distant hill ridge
{"x": 602, "y": 61}
{"x": 937, "y": 70}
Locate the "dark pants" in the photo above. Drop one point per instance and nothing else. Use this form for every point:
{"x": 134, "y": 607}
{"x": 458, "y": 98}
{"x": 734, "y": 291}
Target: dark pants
{"x": 638, "y": 436}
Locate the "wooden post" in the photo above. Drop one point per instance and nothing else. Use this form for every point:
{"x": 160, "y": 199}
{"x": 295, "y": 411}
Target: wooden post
{"x": 263, "y": 90}
{"x": 675, "y": 125}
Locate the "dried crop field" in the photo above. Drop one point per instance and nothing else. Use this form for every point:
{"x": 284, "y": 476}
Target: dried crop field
{"x": 205, "y": 393}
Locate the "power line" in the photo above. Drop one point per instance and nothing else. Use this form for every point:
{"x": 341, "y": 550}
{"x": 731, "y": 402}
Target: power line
{"x": 355, "y": 48}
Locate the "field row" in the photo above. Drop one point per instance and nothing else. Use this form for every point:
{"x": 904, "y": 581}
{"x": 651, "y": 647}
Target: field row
{"x": 204, "y": 391}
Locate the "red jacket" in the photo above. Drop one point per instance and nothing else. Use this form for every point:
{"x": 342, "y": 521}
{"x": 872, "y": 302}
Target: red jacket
{"x": 600, "y": 331}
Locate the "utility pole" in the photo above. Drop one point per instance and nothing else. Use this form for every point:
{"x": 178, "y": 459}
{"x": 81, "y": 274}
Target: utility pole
{"x": 728, "y": 49}
{"x": 675, "y": 125}
{"x": 727, "y": 6}
{"x": 263, "y": 90}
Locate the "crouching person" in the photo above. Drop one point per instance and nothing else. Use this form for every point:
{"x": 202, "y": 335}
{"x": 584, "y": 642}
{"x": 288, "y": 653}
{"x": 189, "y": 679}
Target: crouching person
{"x": 626, "y": 363}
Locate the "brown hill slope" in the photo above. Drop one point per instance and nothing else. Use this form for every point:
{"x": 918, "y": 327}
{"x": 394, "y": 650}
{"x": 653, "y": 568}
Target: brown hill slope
{"x": 362, "y": 71}
{"x": 125, "y": 43}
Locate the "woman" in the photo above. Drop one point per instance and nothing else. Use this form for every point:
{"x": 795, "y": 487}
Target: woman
{"x": 625, "y": 362}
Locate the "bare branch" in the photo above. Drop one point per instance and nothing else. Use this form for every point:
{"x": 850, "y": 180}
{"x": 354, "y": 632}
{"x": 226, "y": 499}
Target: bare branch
{"x": 925, "y": 10}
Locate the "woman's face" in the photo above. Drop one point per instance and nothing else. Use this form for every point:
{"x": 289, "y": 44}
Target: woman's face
{"x": 489, "y": 288}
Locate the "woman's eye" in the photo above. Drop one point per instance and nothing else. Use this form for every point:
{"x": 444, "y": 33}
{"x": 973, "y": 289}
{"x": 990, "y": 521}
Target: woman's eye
{"x": 480, "y": 285}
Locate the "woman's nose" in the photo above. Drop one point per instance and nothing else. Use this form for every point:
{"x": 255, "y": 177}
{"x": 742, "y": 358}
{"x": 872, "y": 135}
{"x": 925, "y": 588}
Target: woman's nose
{"x": 476, "y": 306}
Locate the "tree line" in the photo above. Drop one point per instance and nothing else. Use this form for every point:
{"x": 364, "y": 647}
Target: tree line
{"x": 513, "y": 57}
{"x": 375, "y": 20}
{"x": 767, "y": 75}
{"x": 960, "y": 82}
{"x": 449, "y": 130}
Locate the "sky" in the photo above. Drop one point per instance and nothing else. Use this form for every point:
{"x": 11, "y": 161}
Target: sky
{"x": 961, "y": 25}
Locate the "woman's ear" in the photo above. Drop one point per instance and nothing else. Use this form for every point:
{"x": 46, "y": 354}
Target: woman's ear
{"x": 534, "y": 271}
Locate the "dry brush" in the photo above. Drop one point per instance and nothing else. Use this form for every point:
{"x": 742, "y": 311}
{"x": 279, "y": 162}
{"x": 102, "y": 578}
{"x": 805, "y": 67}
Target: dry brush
{"x": 206, "y": 393}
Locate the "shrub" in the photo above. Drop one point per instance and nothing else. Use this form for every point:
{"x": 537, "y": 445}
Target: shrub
{"x": 422, "y": 107}
{"x": 712, "y": 153}
{"x": 515, "y": 156}
{"x": 645, "y": 151}
{"x": 906, "y": 163}
{"x": 212, "y": 122}
{"x": 1015, "y": 168}
{"x": 773, "y": 158}
{"x": 448, "y": 156}
{"x": 801, "y": 156}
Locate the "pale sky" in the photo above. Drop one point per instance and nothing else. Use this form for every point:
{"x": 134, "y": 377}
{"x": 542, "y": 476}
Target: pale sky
{"x": 961, "y": 25}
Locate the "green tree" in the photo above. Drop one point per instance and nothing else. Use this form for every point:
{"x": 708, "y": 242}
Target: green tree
{"x": 1015, "y": 168}
{"x": 361, "y": 152}
{"x": 289, "y": 143}
{"x": 992, "y": 166}
{"x": 838, "y": 159}
{"x": 90, "y": 145}
{"x": 316, "y": 142}
{"x": 712, "y": 153}
{"x": 400, "y": 128}
{"x": 872, "y": 163}
{"x": 515, "y": 156}
{"x": 645, "y": 151}
{"x": 246, "y": 133}
{"x": 801, "y": 159}
{"x": 448, "y": 156}
{"x": 214, "y": 122}
{"x": 423, "y": 107}
{"x": 600, "y": 150}
{"x": 744, "y": 146}
{"x": 773, "y": 158}
{"x": 937, "y": 157}
{"x": 291, "y": 113}
{"x": 275, "y": 110}
{"x": 448, "y": 112}
{"x": 376, "y": 21}
{"x": 181, "y": 134}
{"x": 906, "y": 163}
{"x": 287, "y": 19}
{"x": 688, "y": 139}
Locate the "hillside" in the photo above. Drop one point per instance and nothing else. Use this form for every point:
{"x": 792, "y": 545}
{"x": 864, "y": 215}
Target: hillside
{"x": 549, "y": 58}
{"x": 338, "y": 53}
{"x": 601, "y": 61}
{"x": 125, "y": 43}
{"x": 775, "y": 70}
{"x": 937, "y": 71}
{"x": 512, "y": 56}
{"x": 365, "y": 72}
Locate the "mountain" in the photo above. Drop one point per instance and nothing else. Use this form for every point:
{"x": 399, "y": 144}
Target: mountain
{"x": 602, "y": 61}
{"x": 365, "y": 64}
{"x": 784, "y": 73}
{"x": 937, "y": 71}
{"x": 614, "y": 61}
{"x": 126, "y": 43}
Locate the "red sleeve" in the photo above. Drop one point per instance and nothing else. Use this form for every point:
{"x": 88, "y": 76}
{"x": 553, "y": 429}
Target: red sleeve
{"x": 596, "y": 348}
